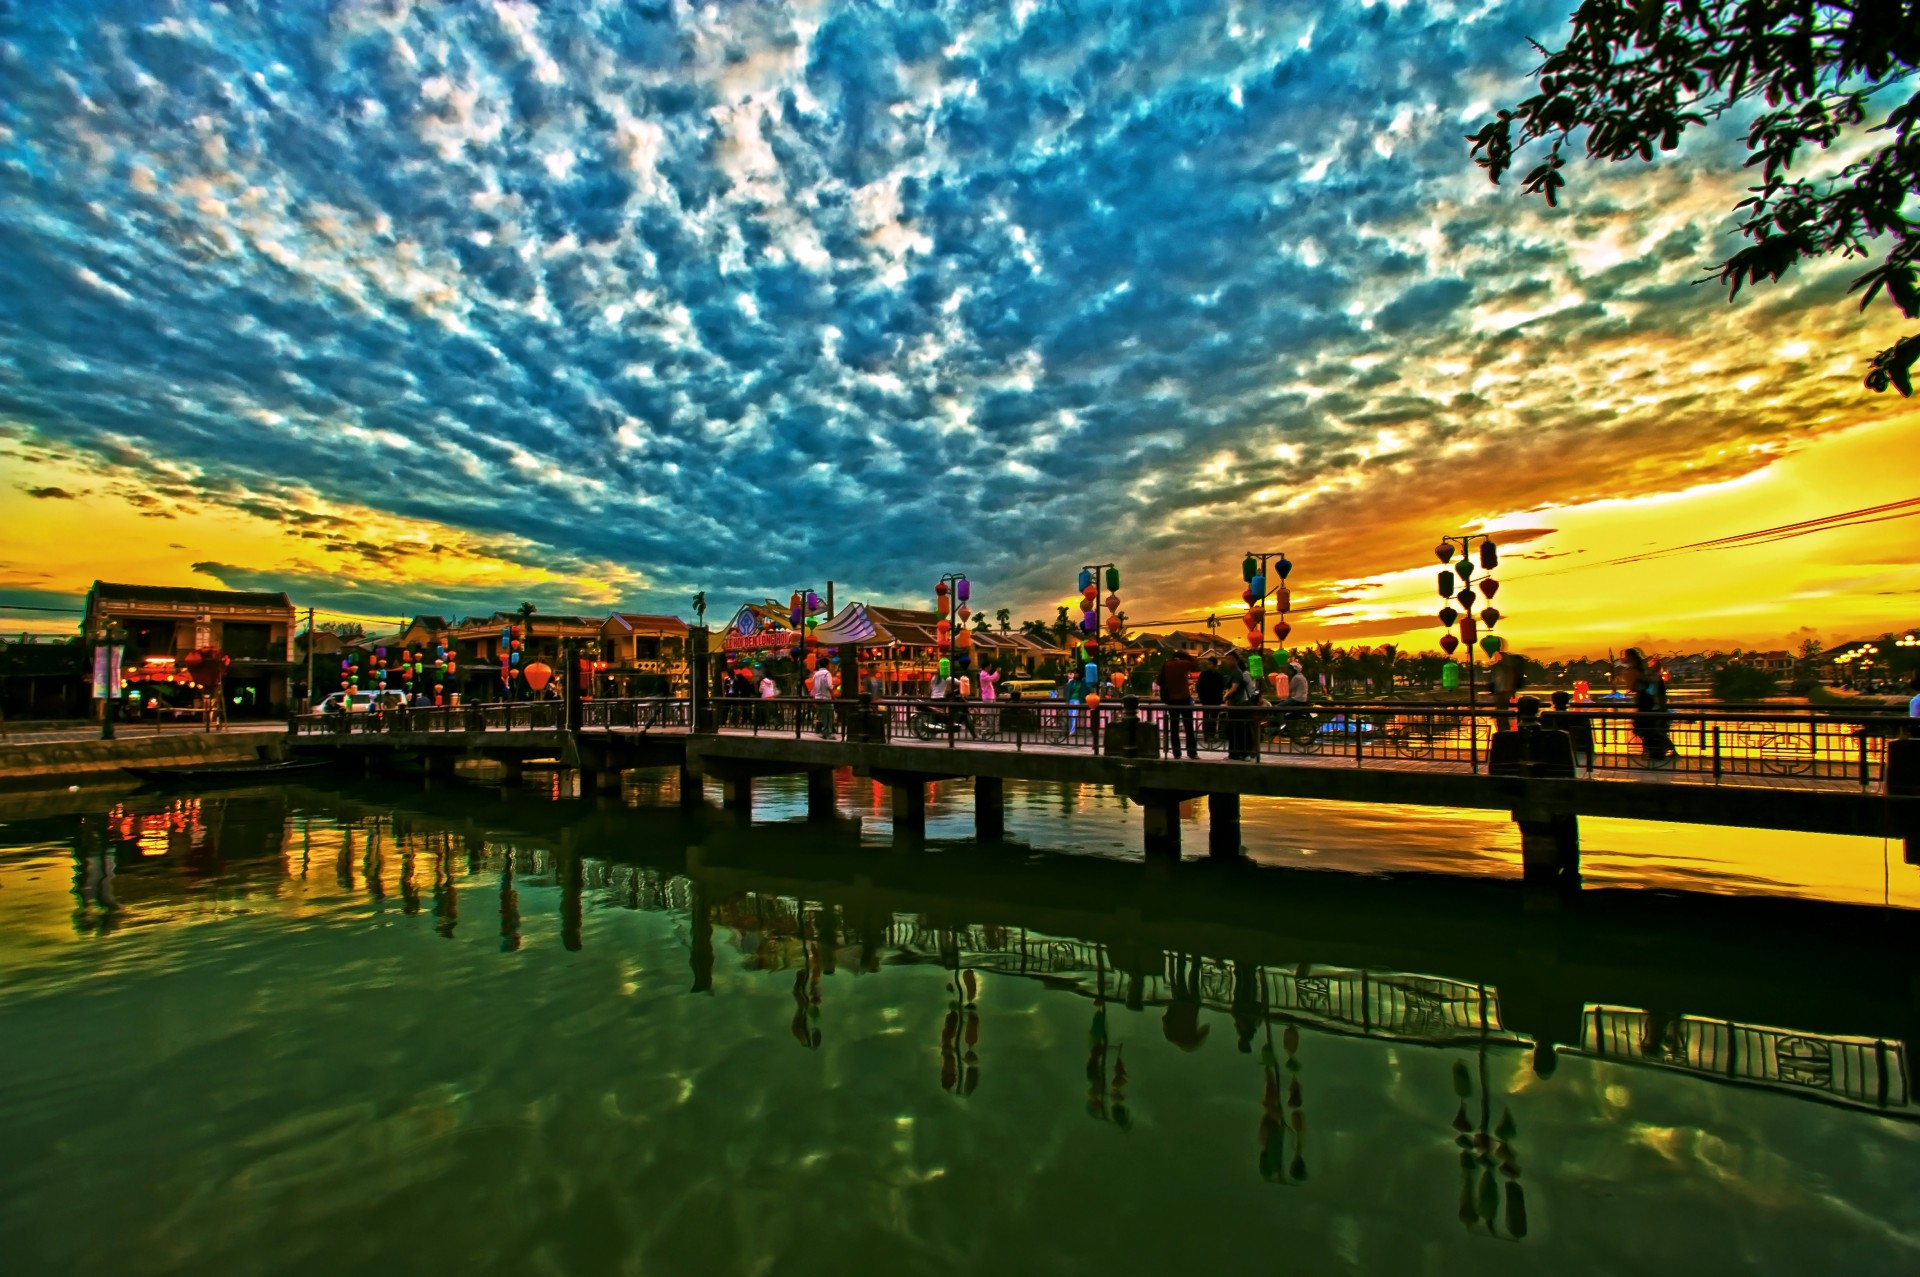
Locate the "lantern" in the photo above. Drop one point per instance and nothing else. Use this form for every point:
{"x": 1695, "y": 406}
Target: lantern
{"x": 1489, "y": 555}
{"x": 813, "y": 601}
{"x": 1088, "y": 623}
{"x": 516, "y": 645}
{"x": 1256, "y": 666}
{"x": 1490, "y": 616}
{"x": 1489, "y": 587}
{"x": 1465, "y": 569}
{"x": 1448, "y": 616}
{"x": 1113, "y": 625}
{"x": 1449, "y": 644}
{"x": 1450, "y": 675}
{"x": 964, "y": 638}
{"x": 1086, "y": 579}
{"x": 946, "y": 668}
{"x": 1283, "y": 565}
{"x": 1280, "y": 631}
{"x": 1113, "y": 579}
{"x": 962, "y": 661}
{"x": 1092, "y": 674}
{"x": 1466, "y": 599}
{"x": 1259, "y": 586}
{"x": 1093, "y": 700}
{"x": 1491, "y": 643}
{"x": 1248, "y": 566}
{"x": 1468, "y": 630}
{"x": 513, "y": 658}
{"x": 1279, "y": 657}
{"x": 963, "y": 589}
{"x": 1446, "y": 584}
{"x": 1246, "y": 596}
{"x": 1444, "y": 551}
{"x": 1283, "y": 598}
{"x": 1086, "y": 604}
{"x": 1113, "y": 602}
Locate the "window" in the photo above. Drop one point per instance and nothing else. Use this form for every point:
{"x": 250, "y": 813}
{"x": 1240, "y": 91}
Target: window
{"x": 246, "y": 641}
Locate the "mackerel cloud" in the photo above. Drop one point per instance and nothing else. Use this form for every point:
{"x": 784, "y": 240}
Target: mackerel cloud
{"x": 739, "y": 296}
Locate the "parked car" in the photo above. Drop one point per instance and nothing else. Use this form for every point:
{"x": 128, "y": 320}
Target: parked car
{"x": 361, "y": 702}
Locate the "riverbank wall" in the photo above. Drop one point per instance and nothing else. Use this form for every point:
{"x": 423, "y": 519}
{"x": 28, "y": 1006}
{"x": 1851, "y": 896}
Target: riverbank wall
{"x": 26, "y": 766}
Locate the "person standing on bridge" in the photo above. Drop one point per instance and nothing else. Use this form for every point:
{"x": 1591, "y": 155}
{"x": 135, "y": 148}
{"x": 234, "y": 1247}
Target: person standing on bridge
{"x": 1210, "y": 689}
{"x": 1176, "y": 689}
{"x": 1649, "y": 709}
{"x": 822, "y": 682}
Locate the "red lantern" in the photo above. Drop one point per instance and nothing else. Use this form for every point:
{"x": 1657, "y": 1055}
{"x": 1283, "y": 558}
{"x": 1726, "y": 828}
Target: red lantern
{"x": 1448, "y": 644}
{"x": 1282, "y": 598}
{"x": 1246, "y": 596}
{"x": 1489, "y": 587}
{"x": 1490, "y": 615}
{"x": 1468, "y": 630}
{"x": 538, "y": 675}
{"x": 1280, "y": 631}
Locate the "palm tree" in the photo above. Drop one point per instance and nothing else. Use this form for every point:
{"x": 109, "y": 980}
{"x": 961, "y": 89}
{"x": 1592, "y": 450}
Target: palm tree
{"x": 700, "y": 607}
{"x": 1061, "y": 626}
{"x": 1005, "y": 617}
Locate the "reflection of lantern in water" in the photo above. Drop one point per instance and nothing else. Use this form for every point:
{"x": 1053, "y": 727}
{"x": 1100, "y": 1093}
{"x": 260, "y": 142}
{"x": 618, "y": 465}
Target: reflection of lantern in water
{"x": 1487, "y": 1158}
{"x": 1275, "y": 1121}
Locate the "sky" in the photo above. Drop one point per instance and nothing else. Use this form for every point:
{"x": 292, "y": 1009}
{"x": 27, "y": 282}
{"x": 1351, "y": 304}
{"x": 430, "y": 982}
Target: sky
{"x": 427, "y": 307}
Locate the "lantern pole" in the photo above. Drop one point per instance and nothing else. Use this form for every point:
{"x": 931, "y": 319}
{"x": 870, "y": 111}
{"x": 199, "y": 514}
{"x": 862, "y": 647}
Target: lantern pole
{"x": 1100, "y": 571}
{"x": 1465, "y": 541}
{"x": 952, "y": 581}
{"x": 1267, "y": 589}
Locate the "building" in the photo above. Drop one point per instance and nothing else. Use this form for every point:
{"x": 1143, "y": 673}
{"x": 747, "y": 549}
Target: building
{"x": 162, "y": 624}
{"x": 645, "y": 655}
{"x": 45, "y": 678}
{"x": 478, "y": 647}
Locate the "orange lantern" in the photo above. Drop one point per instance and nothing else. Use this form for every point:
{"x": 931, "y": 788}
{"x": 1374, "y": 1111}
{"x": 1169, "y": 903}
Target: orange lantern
{"x": 538, "y": 674}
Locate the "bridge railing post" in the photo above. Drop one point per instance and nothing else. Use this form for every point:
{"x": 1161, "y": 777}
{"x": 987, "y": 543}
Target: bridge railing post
{"x": 1716, "y": 753}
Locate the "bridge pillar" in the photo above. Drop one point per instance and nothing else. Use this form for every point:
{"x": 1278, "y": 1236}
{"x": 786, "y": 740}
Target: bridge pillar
{"x": 1161, "y": 817}
{"x": 693, "y": 787}
{"x": 909, "y": 800}
{"x": 736, "y": 794}
{"x": 1223, "y": 826}
{"x": 989, "y": 809}
{"x": 820, "y": 796}
{"x": 1549, "y": 846}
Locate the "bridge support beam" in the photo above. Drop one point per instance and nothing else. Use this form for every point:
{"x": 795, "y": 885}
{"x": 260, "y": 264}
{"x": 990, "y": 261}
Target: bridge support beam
{"x": 1223, "y": 826}
{"x": 820, "y": 795}
{"x": 909, "y": 800}
{"x": 693, "y": 787}
{"x": 736, "y": 794}
{"x": 1549, "y": 846}
{"x": 606, "y": 781}
{"x": 989, "y": 809}
{"x": 1161, "y": 817}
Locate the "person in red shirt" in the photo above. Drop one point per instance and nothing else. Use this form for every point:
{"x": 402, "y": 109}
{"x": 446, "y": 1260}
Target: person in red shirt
{"x": 1176, "y": 690}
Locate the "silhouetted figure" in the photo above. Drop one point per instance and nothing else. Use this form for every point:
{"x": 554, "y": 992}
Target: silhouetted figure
{"x": 1246, "y": 1005}
{"x": 509, "y": 908}
{"x": 572, "y": 879}
{"x": 446, "y": 895}
{"x": 1181, "y": 1022}
{"x": 700, "y": 919}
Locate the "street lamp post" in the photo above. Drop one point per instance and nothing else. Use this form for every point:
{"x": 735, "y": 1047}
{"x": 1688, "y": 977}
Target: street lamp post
{"x": 951, "y": 594}
{"x": 1256, "y": 569}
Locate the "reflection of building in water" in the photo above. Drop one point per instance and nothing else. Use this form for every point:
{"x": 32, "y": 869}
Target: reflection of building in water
{"x": 1866, "y": 1072}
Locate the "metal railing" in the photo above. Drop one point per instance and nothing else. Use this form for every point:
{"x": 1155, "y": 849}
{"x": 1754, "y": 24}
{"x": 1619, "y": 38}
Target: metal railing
{"x": 1860, "y": 1071}
{"x": 1797, "y": 746}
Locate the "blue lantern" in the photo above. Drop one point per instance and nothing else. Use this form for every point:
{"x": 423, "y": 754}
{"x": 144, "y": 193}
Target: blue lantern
{"x": 1086, "y": 579}
{"x": 1258, "y": 585}
{"x": 513, "y": 658}
{"x": 1283, "y": 566}
{"x": 1092, "y": 674}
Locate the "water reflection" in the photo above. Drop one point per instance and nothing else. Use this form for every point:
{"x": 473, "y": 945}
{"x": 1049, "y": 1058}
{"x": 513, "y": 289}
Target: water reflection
{"x": 1370, "y": 1031}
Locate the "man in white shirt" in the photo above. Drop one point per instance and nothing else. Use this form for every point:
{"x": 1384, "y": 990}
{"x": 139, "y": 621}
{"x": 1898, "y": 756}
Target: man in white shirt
{"x": 823, "y": 693}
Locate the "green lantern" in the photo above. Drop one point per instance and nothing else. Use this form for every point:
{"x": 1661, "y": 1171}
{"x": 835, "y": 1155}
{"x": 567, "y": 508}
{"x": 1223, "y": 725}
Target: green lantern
{"x": 1255, "y": 665}
{"x": 1450, "y": 676}
{"x": 1491, "y": 643}
{"x": 1248, "y": 566}
{"x": 946, "y": 667}
{"x": 1113, "y": 579}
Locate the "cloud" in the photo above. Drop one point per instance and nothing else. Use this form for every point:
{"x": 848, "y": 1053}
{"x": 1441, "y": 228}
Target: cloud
{"x": 49, "y": 494}
{"x": 735, "y": 298}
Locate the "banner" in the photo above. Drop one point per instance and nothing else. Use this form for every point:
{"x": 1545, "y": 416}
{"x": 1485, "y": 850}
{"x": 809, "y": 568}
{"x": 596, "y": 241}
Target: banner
{"x": 106, "y": 673}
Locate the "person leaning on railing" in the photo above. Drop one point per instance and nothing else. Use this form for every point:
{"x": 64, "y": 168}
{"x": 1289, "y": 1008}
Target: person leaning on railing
{"x": 1578, "y": 727}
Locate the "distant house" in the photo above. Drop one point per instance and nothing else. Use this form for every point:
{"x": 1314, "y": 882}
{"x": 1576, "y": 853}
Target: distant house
{"x": 644, "y": 654}
{"x": 45, "y": 679}
{"x": 164, "y": 623}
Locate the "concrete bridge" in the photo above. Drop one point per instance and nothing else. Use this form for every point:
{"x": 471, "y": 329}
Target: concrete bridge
{"x": 1808, "y": 772}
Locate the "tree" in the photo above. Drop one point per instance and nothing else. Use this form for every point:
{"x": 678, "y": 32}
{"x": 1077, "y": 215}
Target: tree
{"x": 700, "y": 607}
{"x": 1036, "y": 630}
{"x": 343, "y": 629}
{"x": 1637, "y": 75}
{"x": 980, "y": 625}
{"x": 1061, "y": 626}
{"x": 1743, "y": 683}
{"x": 1005, "y": 617}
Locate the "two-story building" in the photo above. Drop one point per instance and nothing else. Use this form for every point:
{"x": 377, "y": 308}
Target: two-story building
{"x": 645, "y": 655}
{"x": 477, "y": 646}
{"x": 161, "y": 624}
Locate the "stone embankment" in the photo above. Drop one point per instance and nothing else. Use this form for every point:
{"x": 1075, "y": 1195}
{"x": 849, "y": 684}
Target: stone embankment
{"x": 26, "y": 766}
